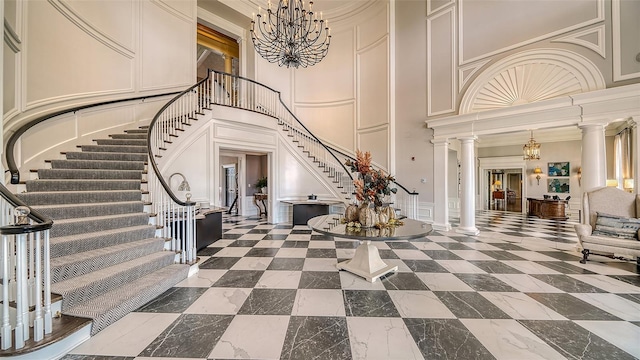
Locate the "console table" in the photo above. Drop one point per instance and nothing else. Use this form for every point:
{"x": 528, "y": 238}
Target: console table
{"x": 367, "y": 262}
{"x": 259, "y": 198}
{"x": 304, "y": 210}
{"x": 547, "y": 208}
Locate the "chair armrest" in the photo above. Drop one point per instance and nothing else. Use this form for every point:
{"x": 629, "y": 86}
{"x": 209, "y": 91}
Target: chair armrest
{"x": 583, "y": 229}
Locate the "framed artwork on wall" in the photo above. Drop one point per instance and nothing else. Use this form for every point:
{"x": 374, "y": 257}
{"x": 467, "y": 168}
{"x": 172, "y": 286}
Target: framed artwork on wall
{"x": 558, "y": 168}
{"x": 558, "y": 185}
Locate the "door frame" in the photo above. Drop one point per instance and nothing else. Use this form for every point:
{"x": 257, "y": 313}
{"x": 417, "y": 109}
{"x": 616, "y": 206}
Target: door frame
{"x": 502, "y": 162}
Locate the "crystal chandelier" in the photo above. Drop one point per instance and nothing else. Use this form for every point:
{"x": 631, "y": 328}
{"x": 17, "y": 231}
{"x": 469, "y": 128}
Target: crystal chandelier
{"x": 291, "y": 35}
{"x": 531, "y": 149}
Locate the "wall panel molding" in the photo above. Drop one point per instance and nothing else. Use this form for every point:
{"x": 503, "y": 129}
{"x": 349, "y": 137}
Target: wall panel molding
{"x": 431, "y": 11}
{"x": 466, "y": 72}
{"x": 11, "y": 38}
{"x": 600, "y": 16}
{"x": 616, "y": 24}
{"x": 433, "y": 108}
{"x": 581, "y": 38}
{"x": 90, "y": 29}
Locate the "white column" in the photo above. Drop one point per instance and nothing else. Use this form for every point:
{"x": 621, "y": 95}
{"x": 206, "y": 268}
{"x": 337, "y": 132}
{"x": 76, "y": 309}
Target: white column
{"x": 440, "y": 181}
{"x": 468, "y": 182}
{"x": 594, "y": 160}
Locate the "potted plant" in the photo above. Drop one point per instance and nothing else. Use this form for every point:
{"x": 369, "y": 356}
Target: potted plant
{"x": 262, "y": 184}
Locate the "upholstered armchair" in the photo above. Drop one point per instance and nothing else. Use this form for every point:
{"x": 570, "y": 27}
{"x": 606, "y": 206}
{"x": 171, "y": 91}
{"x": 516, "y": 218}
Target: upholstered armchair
{"x": 611, "y": 224}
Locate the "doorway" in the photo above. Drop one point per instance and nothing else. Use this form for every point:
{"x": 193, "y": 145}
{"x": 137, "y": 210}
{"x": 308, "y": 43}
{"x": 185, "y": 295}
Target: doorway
{"x": 505, "y": 189}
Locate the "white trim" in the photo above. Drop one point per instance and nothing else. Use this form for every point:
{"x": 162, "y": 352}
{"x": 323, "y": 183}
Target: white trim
{"x": 453, "y": 35}
{"x": 503, "y": 162}
{"x": 599, "y": 48}
{"x": 431, "y": 11}
{"x": 599, "y": 17}
{"x": 462, "y": 79}
{"x": 617, "y": 44}
{"x": 585, "y": 72}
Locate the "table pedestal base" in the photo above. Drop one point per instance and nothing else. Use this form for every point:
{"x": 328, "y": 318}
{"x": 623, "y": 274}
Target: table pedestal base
{"x": 367, "y": 263}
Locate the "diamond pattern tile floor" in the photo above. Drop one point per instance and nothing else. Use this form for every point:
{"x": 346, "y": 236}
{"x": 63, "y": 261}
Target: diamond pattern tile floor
{"x": 515, "y": 291}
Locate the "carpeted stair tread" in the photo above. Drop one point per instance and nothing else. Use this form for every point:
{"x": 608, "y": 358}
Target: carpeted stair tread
{"x": 111, "y": 306}
{"x": 69, "y": 211}
{"x": 129, "y": 136}
{"x": 138, "y": 131}
{"x": 97, "y": 164}
{"x": 91, "y": 174}
{"x": 115, "y": 148}
{"x": 77, "y": 243}
{"x": 89, "y": 155}
{"x": 78, "y": 197}
{"x": 72, "y": 265}
{"x": 87, "y": 286}
{"x": 134, "y": 142}
{"x": 81, "y": 184}
{"x": 65, "y": 227}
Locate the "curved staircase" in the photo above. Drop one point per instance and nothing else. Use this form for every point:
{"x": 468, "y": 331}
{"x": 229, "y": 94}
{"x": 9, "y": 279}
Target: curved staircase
{"x": 106, "y": 259}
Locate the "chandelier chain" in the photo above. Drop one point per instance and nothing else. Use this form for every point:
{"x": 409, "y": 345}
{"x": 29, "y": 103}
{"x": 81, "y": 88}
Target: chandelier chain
{"x": 290, "y": 35}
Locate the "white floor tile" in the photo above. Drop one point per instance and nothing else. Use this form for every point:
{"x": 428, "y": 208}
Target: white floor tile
{"x": 460, "y": 267}
{"x": 521, "y": 307}
{"x": 532, "y": 255}
{"x": 409, "y": 254}
{"x": 252, "y": 263}
{"x": 507, "y": 339}
{"x": 427, "y": 245}
{"x": 443, "y": 282}
{"x": 350, "y": 281}
{"x": 527, "y": 284}
{"x": 529, "y": 267}
{"x": 132, "y": 333}
{"x": 203, "y": 278}
{"x": 233, "y": 252}
{"x": 279, "y": 279}
{"x": 269, "y": 244}
{"x": 613, "y": 304}
{"x": 320, "y": 264}
{"x": 251, "y": 237}
{"x": 472, "y": 255}
{"x": 381, "y": 338}
{"x": 298, "y": 237}
{"x": 291, "y": 253}
{"x": 252, "y": 337}
{"x": 321, "y": 244}
{"x": 419, "y": 304}
{"x": 219, "y": 301}
{"x": 622, "y": 334}
{"x": 318, "y": 302}
{"x": 608, "y": 284}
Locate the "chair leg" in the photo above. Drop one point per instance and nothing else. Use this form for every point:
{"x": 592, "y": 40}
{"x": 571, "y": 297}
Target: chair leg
{"x": 585, "y": 255}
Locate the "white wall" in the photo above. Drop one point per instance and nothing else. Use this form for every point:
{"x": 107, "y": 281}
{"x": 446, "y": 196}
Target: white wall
{"x": 67, "y": 52}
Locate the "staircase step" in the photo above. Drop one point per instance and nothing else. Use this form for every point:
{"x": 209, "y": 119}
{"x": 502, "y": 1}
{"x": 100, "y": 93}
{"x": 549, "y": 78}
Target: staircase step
{"x": 114, "y": 148}
{"x": 127, "y": 142}
{"x": 65, "y": 245}
{"x": 111, "y": 306}
{"x": 81, "y": 185}
{"x": 129, "y": 136}
{"x": 83, "y": 288}
{"x": 79, "y": 197}
{"x": 88, "y": 174}
{"x": 66, "y": 227}
{"x": 69, "y": 211}
{"x": 97, "y": 164}
{"x": 88, "y": 155}
{"x": 70, "y": 266}
{"x": 137, "y": 131}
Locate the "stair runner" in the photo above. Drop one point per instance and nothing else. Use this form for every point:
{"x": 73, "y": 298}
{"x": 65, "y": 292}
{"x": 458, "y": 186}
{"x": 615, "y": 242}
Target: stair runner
{"x": 105, "y": 258}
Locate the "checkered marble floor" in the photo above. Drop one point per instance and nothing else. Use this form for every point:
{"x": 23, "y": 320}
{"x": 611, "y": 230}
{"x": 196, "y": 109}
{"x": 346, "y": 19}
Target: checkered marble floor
{"x": 515, "y": 291}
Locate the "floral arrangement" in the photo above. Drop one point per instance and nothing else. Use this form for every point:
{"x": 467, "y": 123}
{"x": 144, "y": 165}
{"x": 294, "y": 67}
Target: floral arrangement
{"x": 371, "y": 185}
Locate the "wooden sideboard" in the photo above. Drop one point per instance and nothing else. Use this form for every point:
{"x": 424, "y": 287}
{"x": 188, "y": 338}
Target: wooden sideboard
{"x": 547, "y": 208}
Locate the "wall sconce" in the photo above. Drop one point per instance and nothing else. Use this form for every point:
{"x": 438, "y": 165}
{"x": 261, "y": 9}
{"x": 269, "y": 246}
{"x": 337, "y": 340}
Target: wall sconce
{"x": 184, "y": 185}
{"x": 628, "y": 185}
{"x": 580, "y": 176}
{"x": 537, "y": 171}
{"x": 612, "y": 182}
